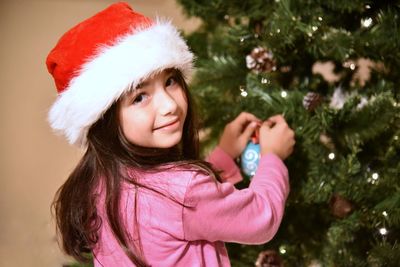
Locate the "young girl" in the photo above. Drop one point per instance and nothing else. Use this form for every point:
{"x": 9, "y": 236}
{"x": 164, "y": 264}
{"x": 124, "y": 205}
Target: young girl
{"x": 140, "y": 195}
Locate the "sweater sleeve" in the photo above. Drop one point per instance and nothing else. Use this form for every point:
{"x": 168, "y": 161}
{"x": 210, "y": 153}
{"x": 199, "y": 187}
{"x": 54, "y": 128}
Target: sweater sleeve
{"x": 218, "y": 211}
{"x": 221, "y": 161}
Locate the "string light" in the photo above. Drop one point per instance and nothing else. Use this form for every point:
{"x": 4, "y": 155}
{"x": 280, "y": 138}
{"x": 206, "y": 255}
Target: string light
{"x": 264, "y": 80}
{"x": 384, "y": 213}
{"x": 314, "y": 28}
{"x": 349, "y": 64}
{"x": 284, "y": 94}
{"x": 331, "y": 156}
{"x": 282, "y": 249}
{"x": 366, "y": 22}
{"x": 383, "y": 231}
{"x": 375, "y": 176}
{"x": 367, "y": 7}
{"x": 243, "y": 91}
{"x": 320, "y": 18}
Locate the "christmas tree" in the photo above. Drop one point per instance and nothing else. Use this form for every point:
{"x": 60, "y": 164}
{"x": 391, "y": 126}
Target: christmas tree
{"x": 263, "y": 56}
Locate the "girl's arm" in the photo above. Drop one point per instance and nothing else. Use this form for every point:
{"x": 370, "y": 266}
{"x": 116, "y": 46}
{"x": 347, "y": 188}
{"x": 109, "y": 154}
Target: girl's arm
{"x": 215, "y": 211}
{"x": 233, "y": 141}
{"x": 221, "y": 161}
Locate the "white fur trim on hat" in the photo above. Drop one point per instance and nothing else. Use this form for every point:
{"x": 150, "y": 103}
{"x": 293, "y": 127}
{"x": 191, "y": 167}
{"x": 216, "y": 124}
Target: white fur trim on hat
{"x": 112, "y": 71}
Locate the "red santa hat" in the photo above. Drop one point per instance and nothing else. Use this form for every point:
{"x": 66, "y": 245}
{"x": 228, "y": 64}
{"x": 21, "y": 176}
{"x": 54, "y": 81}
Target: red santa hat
{"x": 99, "y": 59}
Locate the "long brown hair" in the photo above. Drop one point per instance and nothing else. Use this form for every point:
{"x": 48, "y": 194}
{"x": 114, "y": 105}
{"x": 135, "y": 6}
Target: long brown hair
{"x": 107, "y": 153}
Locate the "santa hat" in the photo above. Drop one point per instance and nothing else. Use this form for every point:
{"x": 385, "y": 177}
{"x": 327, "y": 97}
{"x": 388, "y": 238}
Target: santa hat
{"x": 99, "y": 59}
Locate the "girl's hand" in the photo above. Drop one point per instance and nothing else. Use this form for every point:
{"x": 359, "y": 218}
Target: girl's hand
{"x": 276, "y": 137}
{"x": 237, "y": 133}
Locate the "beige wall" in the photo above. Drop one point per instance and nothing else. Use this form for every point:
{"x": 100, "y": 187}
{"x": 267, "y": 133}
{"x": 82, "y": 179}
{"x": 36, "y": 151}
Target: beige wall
{"x": 33, "y": 161}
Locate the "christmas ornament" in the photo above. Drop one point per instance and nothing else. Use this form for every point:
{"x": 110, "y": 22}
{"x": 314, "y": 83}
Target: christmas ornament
{"x": 338, "y": 98}
{"x": 340, "y": 206}
{"x": 311, "y": 101}
{"x": 260, "y": 60}
{"x": 250, "y": 158}
{"x": 258, "y": 27}
{"x": 269, "y": 258}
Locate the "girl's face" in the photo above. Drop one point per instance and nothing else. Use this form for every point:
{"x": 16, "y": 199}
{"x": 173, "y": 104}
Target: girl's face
{"x": 153, "y": 114}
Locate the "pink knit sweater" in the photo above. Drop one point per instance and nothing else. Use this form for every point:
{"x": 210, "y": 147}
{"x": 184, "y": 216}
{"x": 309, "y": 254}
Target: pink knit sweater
{"x": 188, "y": 228}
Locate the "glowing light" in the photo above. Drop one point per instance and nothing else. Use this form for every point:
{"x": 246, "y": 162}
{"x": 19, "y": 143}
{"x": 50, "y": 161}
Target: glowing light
{"x": 278, "y": 30}
{"x": 383, "y": 231}
{"x": 367, "y": 6}
{"x": 243, "y": 91}
{"x": 366, "y": 22}
{"x": 320, "y": 18}
{"x": 314, "y": 28}
{"x": 384, "y": 213}
{"x": 264, "y": 80}
{"x": 352, "y": 66}
{"x": 282, "y": 249}
{"x": 284, "y": 94}
{"x": 375, "y": 176}
{"x": 331, "y": 156}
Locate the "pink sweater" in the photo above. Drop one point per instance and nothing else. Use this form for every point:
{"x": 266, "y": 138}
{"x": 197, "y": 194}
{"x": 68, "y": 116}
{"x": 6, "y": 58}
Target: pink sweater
{"x": 192, "y": 234}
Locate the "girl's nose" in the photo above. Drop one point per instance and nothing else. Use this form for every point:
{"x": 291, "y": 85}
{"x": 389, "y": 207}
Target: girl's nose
{"x": 166, "y": 103}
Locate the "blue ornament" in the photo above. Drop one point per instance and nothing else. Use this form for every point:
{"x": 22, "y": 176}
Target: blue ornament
{"x": 250, "y": 158}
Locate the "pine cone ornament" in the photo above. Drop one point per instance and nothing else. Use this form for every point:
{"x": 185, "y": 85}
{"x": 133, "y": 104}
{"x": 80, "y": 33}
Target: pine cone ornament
{"x": 340, "y": 206}
{"x": 311, "y": 101}
{"x": 269, "y": 258}
{"x": 260, "y": 60}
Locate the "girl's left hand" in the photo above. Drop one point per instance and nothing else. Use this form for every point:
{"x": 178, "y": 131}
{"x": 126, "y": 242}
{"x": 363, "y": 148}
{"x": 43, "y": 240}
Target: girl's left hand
{"x": 237, "y": 133}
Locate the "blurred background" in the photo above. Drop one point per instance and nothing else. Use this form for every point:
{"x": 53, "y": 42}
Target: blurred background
{"x": 34, "y": 161}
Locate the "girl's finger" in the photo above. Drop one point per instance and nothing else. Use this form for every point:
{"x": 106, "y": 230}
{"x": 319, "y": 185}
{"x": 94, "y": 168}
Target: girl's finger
{"x": 249, "y": 130}
{"x": 277, "y": 119}
{"x": 245, "y": 118}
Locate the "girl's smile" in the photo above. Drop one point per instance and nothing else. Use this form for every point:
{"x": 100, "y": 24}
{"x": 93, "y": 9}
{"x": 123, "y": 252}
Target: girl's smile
{"x": 169, "y": 126}
{"x": 153, "y": 114}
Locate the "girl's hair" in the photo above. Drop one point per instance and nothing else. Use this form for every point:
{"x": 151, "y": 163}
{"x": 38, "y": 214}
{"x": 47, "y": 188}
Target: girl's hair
{"x": 107, "y": 155}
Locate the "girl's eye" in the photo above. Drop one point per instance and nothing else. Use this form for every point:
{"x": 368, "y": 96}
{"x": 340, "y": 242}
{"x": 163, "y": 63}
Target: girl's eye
{"x": 171, "y": 81}
{"x": 139, "y": 98}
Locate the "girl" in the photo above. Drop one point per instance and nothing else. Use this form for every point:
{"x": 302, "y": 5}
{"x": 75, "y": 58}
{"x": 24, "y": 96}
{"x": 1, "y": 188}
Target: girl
{"x": 140, "y": 195}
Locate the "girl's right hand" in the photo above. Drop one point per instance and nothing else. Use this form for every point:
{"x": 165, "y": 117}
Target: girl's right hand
{"x": 276, "y": 137}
